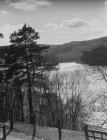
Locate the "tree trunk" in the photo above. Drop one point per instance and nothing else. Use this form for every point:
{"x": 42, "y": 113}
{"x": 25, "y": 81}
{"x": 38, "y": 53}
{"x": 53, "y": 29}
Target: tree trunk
{"x": 22, "y": 112}
{"x": 20, "y": 98}
{"x": 51, "y": 111}
{"x": 30, "y": 105}
{"x": 73, "y": 124}
{"x": 59, "y": 129}
{"x": 34, "y": 126}
{"x": 11, "y": 119}
{"x": 30, "y": 95}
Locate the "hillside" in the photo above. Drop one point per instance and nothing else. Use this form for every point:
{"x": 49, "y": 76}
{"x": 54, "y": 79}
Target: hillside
{"x": 72, "y": 52}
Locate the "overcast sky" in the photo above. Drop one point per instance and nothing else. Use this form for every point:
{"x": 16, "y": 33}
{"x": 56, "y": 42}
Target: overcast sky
{"x": 57, "y": 21}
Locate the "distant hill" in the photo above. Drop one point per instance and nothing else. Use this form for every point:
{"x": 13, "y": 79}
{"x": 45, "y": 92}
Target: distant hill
{"x": 72, "y": 51}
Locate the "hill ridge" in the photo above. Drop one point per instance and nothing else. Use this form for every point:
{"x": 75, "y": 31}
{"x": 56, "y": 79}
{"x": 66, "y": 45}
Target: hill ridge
{"x": 71, "y": 51}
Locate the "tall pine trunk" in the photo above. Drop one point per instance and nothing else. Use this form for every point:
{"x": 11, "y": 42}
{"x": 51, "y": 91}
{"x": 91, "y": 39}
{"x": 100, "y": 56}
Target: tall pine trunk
{"x": 22, "y": 112}
{"x": 59, "y": 129}
{"x": 31, "y": 116}
{"x": 34, "y": 126}
{"x": 31, "y": 110}
{"x": 11, "y": 119}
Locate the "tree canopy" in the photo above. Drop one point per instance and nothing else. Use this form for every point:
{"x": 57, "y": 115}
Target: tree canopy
{"x": 1, "y": 35}
{"x": 95, "y": 57}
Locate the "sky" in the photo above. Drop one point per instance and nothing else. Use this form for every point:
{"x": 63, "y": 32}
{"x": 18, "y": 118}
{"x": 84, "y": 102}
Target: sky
{"x": 57, "y": 21}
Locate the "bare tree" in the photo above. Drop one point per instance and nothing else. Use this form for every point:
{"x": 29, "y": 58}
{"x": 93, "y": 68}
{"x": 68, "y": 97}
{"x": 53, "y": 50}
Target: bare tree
{"x": 75, "y": 94}
{"x": 52, "y": 92}
{"x": 72, "y": 99}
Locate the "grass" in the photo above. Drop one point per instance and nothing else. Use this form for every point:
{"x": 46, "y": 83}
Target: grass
{"x": 47, "y": 133}
{"x": 24, "y": 131}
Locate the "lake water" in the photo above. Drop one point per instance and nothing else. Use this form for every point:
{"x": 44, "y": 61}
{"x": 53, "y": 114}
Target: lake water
{"x": 96, "y": 86}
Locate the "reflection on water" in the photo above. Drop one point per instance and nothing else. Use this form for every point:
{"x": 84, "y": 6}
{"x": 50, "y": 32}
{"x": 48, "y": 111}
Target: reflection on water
{"x": 70, "y": 66}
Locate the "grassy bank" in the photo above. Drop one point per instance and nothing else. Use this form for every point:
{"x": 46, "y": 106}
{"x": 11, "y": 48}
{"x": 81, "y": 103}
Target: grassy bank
{"x": 48, "y": 133}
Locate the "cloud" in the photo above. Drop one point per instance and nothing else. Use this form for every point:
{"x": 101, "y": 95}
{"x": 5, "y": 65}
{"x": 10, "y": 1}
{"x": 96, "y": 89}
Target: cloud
{"x": 43, "y": 3}
{"x": 4, "y": 12}
{"x": 23, "y": 6}
{"x": 78, "y": 23}
{"x": 75, "y": 23}
{"x": 75, "y": 29}
{"x": 81, "y": 0}
{"x": 105, "y": 2}
{"x": 61, "y": 0}
{"x": 51, "y": 26}
{"x": 29, "y": 5}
